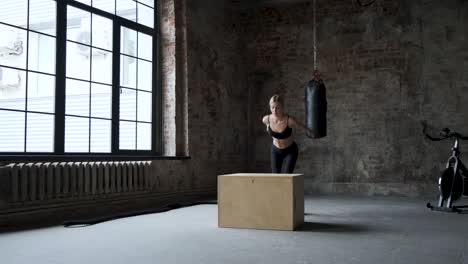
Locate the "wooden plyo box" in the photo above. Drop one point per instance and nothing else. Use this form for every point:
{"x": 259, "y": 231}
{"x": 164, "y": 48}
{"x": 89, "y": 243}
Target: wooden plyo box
{"x": 261, "y": 201}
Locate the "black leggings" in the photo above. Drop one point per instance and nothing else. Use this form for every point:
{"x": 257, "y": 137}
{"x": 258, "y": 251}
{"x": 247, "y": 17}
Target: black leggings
{"x": 288, "y": 156}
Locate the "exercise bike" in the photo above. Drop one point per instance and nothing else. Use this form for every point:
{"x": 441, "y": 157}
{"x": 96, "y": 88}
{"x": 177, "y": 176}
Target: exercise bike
{"x": 453, "y": 182}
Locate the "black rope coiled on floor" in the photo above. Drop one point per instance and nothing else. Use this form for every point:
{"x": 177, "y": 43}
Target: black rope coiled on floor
{"x": 97, "y": 220}
{"x": 366, "y": 4}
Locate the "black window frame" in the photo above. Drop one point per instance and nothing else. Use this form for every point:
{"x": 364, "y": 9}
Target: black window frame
{"x": 59, "y": 153}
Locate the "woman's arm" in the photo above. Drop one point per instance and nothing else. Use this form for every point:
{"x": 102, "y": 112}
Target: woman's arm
{"x": 265, "y": 121}
{"x": 294, "y": 123}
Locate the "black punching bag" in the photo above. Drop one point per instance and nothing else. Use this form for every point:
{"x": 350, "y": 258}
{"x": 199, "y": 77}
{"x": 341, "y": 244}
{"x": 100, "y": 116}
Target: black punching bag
{"x": 316, "y": 108}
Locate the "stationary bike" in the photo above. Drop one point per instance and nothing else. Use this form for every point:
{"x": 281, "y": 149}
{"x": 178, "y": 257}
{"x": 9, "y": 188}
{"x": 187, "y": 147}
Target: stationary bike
{"x": 453, "y": 183}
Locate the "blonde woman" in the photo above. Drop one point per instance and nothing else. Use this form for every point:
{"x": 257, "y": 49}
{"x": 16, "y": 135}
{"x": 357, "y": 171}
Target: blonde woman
{"x": 279, "y": 125}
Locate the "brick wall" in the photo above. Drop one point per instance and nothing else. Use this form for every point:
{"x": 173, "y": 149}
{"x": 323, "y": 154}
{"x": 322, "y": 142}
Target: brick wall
{"x": 386, "y": 67}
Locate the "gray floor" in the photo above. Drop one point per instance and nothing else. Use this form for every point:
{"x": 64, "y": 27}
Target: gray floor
{"x": 337, "y": 230}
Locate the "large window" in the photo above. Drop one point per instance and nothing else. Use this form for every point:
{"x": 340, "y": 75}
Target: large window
{"x": 78, "y": 78}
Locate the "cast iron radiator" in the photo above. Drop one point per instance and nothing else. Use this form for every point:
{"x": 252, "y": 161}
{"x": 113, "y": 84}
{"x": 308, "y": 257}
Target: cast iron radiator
{"x": 29, "y": 182}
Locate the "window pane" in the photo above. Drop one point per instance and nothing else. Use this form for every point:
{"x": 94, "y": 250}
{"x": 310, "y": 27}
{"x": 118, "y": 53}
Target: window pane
{"x": 77, "y": 98}
{"x": 78, "y": 25}
{"x": 41, "y": 93}
{"x": 145, "y": 80}
{"x": 78, "y": 61}
{"x": 127, "y": 71}
{"x": 40, "y": 133}
{"x": 100, "y": 135}
{"x": 144, "y": 106}
{"x": 14, "y": 12}
{"x": 145, "y": 15}
{"x": 102, "y": 32}
{"x": 101, "y": 100}
{"x": 102, "y": 66}
{"x": 105, "y": 5}
{"x": 127, "y": 135}
{"x": 126, "y": 9}
{"x": 13, "y": 45}
{"x": 41, "y": 53}
{"x": 128, "y": 41}
{"x": 12, "y": 89}
{"x": 76, "y": 134}
{"x": 147, "y": 2}
{"x": 42, "y": 16}
{"x": 11, "y": 131}
{"x": 127, "y": 104}
{"x": 145, "y": 46}
{"x": 144, "y": 136}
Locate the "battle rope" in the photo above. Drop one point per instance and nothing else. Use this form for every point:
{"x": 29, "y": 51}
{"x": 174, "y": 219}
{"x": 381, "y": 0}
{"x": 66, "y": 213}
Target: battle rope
{"x": 97, "y": 220}
{"x": 367, "y": 4}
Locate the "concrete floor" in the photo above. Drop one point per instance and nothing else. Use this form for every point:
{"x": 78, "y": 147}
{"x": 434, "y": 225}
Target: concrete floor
{"x": 338, "y": 229}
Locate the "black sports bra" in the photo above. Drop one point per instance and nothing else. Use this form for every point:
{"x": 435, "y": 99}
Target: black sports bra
{"x": 287, "y": 132}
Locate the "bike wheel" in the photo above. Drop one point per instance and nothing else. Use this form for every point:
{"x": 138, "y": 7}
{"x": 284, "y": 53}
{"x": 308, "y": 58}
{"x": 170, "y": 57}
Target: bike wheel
{"x": 465, "y": 186}
{"x": 449, "y": 188}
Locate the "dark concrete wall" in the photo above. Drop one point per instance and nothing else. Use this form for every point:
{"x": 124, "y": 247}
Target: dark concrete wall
{"x": 213, "y": 85}
{"x": 386, "y": 67}
{"x": 217, "y": 102}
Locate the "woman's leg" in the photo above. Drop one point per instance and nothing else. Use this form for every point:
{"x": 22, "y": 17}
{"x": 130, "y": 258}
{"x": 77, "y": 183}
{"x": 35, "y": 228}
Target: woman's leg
{"x": 291, "y": 158}
{"x": 276, "y": 160}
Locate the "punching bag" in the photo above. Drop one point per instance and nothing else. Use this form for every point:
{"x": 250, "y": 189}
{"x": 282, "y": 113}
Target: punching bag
{"x": 316, "y": 108}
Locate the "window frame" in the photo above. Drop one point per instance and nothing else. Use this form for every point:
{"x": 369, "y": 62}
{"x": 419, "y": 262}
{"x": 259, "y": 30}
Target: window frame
{"x": 59, "y": 153}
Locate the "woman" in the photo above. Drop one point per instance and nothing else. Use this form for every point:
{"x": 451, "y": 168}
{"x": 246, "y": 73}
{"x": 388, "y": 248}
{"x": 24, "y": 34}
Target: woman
{"x": 279, "y": 125}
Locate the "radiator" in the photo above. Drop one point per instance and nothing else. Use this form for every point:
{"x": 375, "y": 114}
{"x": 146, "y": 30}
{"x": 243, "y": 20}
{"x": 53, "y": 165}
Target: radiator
{"x": 59, "y": 180}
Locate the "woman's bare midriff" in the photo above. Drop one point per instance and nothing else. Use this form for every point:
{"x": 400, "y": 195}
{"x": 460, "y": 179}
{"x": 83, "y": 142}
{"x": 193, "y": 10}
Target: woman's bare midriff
{"x": 282, "y": 143}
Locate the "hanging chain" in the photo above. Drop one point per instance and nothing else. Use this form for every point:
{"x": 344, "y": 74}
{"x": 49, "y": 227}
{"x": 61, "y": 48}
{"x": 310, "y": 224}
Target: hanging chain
{"x": 315, "y": 37}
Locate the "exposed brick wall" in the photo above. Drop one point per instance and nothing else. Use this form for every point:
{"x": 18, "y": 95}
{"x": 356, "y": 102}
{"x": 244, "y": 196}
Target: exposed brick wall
{"x": 386, "y": 67}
